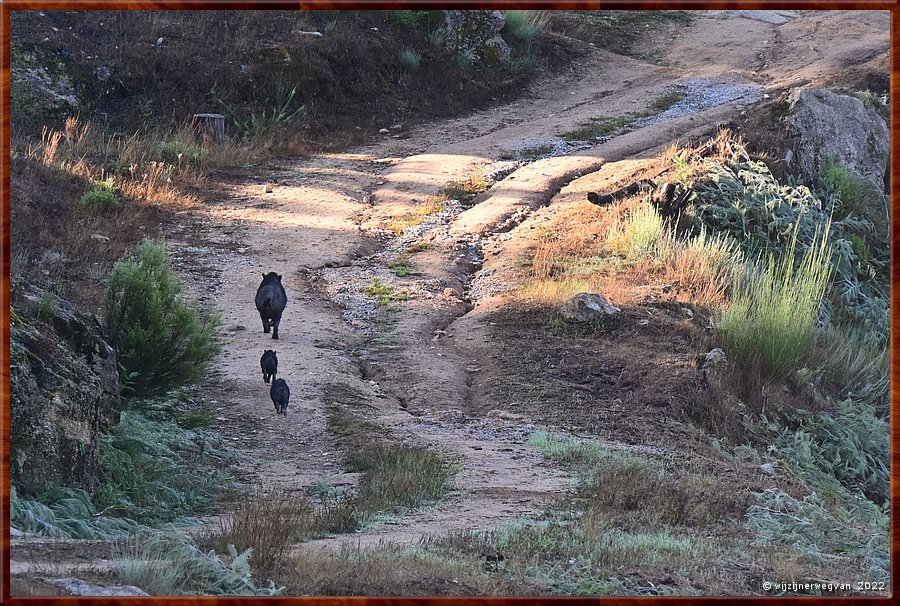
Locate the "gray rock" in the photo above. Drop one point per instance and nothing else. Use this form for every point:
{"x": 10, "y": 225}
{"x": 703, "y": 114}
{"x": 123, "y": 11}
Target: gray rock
{"x": 767, "y": 468}
{"x": 78, "y": 587}
{"x": 715, "y": 357}
{"x": 827, "y": 125}
{"x": 63, "y": 392}
{"x": 476, "y": 32}
{"x": 587, "y": 307}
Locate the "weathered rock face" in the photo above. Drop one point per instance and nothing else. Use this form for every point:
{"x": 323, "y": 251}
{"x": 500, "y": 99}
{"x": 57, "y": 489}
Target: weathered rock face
{"x": 79, "y": 587}
{"x": 827, "y": 125}
{"x": 40, "y": 88}
{"x": 63, "y": 393}
{"x": 587, "y": 307}
{"x": 476, "y": 33}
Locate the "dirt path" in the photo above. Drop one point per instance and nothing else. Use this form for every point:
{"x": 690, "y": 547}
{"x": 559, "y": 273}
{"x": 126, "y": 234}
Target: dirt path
{"x": 321, "y": 228}
{"x": 416, "y": 381}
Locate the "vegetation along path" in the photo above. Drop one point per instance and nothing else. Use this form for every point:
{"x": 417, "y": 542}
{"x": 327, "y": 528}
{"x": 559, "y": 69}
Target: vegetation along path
{"x": 450, "y": 430}
{"x": 410, "y": 370}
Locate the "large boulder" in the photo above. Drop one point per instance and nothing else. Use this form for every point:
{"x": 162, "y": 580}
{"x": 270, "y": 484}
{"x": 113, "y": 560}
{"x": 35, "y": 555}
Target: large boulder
{"x": 828, "y": 126}
{"x": 476, "y": 33}
{"x": 63, "y": 393}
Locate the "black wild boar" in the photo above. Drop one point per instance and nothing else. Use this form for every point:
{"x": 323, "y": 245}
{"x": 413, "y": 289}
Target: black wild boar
{"x": 270, "y": 301}
{"x": 280, "y": 393}
{"x": 269, "y": 363}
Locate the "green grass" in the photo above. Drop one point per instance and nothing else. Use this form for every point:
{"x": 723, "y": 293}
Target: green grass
{"x": 163, "y": 563}
{"x": 599, "y": 127}
{"x": 395, "y": 477}
{"x": 177, "y": 153}
{"x": 401, "y": 266}
{"x": 643, "y": 233}
{"x": 409, "y": 59}
{"x": 384, "y": 293}
{"x": 772, "y": 317}
{"x": 466, "y": 189}
{"x": 666, "y": 101}
{"x": 525, "y": 25}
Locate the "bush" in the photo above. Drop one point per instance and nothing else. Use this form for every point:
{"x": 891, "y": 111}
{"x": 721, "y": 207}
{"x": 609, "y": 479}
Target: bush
{"x": 103, "y": 194}
{"x": 409, "y": 59}
{"x": 772, "y": 317}
{"x": 161, "y": 342}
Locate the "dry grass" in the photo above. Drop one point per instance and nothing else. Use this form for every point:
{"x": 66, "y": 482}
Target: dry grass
{"x": 269, "y": 522}
{"x": 431, "y": 205}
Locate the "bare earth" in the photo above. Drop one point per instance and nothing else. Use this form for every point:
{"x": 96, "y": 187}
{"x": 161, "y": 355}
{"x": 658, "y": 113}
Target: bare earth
{"x": 419, "y": 376}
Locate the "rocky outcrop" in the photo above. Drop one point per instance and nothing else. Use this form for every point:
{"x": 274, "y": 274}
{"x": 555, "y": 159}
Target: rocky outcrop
{"x": 63, "y": 392}
{"x": 79, "y": 587}
{"x": 476, "y": 33}
{"x": 827, "y": 126}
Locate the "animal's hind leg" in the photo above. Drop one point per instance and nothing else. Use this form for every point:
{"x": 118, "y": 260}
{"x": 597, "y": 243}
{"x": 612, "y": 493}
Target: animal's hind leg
{"x": 265, "y": 322}
{"x": 275, "y": 324}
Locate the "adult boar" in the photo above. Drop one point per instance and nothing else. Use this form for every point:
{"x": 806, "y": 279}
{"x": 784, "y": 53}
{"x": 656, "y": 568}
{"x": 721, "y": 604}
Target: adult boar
{"x": 270, "y": 302}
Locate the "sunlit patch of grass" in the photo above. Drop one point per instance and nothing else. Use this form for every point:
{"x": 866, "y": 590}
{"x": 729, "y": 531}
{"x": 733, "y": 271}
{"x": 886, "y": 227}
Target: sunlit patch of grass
{"x": 466, "y": 189}
{"x": 431, "y": 205}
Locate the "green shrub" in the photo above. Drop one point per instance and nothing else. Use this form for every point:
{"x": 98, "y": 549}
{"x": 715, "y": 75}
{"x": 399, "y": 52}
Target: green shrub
{"x": 409, "y": 59}
{"x": 154, "y": 332}
{"x": 406, "y": 18}
{"x": 854, "y": 195}
{"x": 772, "y": 317}
{"x": 103, "y": 194}
{"x": 850, "y": 445}
{"x": 815, "y": 532}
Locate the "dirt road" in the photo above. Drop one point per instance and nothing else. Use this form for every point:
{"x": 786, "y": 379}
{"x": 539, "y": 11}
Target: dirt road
{"x": 322, "y": 229}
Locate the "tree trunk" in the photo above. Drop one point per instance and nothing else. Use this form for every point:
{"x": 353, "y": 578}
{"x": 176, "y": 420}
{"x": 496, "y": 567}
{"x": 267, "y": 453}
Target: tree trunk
{"x": 210, "y": 126}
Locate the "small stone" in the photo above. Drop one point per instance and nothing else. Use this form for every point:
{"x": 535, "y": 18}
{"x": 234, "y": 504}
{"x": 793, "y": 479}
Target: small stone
{"x": 449, "y": 292}
{"x": 384, "y": 131}
{"x": 267, "y": 188}
{"x": 160, "y": 41}
{"x": 99, "y": 237}
{"x": 715, "y": 357}
{"x": 397, "y": 127}
{"x": 767, "y": 468}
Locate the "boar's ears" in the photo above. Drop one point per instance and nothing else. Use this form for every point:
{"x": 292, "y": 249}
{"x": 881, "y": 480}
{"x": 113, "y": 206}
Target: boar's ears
{"x": 264, "y": 276}
{"x": 279, "y": 278}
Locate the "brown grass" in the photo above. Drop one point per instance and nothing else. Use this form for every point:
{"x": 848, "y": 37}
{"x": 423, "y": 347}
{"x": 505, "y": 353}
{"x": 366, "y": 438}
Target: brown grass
{"x": 431, "y": 205}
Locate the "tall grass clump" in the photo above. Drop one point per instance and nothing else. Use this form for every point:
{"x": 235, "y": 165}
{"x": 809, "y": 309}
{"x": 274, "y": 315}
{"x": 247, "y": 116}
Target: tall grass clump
{"x": 772, "y": 317}
{"x": 642, "y": 233}
{"x": 399, "y": 476}
{"x": 524, "y": 25}
{"x": 705, "y": 264}
{"x": 171, "y": 564}
{"x": 267, "y": 522}
{"x": 161, "y": 342}
{"x": 409, "y": 59}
